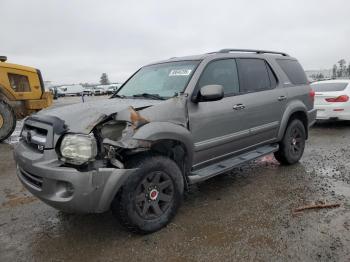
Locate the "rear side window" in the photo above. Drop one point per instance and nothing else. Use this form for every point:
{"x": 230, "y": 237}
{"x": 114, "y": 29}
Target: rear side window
{"x": 221, "y": 72}
{"x": 19, "y": 83}
{"x": 255, "y": 75}
{"x": 293, "y": 70}
{"x": 329, "y": 87}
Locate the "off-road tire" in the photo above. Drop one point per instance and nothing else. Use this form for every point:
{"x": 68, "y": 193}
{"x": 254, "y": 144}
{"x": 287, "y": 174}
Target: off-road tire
{"x": 129, "y": 211}
{"x": 9, "y": 120}
{"x": 291, "y": 148}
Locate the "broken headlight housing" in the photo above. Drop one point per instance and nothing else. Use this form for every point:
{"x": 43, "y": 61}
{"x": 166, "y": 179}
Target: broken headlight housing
{"x": 78, "y": 149}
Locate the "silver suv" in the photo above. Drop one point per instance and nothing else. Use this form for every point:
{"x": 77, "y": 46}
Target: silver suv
{"x": 172, "y": 124}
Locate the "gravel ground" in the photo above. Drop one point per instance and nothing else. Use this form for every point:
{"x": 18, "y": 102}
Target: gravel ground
{"x": 244, "y": 215}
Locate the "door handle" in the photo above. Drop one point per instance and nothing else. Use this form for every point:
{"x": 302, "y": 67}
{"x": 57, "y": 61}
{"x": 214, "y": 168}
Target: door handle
{"x": 238, "y": 107}
{"x": 282, "y": 98}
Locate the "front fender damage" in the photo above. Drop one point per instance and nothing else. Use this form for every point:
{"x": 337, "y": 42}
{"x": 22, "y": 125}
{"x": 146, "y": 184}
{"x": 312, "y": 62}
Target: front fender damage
{"x": 172, "y": 110}
{"x": 118, "y": 143}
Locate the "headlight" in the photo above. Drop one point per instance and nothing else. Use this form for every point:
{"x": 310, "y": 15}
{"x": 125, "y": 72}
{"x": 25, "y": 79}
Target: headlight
{"x": 78, "y": 149}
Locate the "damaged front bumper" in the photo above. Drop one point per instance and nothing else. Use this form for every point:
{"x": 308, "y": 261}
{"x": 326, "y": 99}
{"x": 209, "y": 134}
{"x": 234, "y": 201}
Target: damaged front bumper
{"x": 66, "y": 188}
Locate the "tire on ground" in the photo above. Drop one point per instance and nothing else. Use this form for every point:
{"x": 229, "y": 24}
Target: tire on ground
{"x": 293, "y": 143}
{"x": 129, "y": 209}
{"x": 7, "y": 120}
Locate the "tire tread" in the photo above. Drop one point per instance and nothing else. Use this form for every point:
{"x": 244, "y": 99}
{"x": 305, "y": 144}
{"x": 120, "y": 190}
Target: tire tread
{"x": 12, "y": 115}
{"x": 119, "y": 205}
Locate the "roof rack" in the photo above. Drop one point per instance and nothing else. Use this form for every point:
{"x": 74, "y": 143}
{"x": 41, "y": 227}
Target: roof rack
{"x": 228, "y": 50}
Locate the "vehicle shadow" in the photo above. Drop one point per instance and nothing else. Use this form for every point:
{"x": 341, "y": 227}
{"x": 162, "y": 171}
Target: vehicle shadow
{"x": 225, "y": 193}
{"x": 332, "y": 124}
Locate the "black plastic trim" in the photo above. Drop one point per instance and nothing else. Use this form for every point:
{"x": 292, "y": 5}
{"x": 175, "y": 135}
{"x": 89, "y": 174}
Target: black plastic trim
{"x": 42, "y": 85}
{"x": 58, "y": 125}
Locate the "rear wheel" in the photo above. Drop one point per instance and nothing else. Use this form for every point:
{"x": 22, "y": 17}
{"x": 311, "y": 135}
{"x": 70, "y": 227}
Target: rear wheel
{"x": 293, "y": 143}
{"x": 151, "y": 196}
{"x": 7, "y": 120}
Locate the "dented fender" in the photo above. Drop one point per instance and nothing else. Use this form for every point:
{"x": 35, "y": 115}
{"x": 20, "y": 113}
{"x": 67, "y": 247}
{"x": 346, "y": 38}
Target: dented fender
{"x": 173, "y": 110}
{"x": 156, "y": 131}
{"x": 164, "y": 121}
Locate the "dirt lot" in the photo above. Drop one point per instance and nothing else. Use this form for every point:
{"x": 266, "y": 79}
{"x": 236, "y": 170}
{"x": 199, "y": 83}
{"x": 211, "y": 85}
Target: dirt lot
{"x": 244, "y": 215}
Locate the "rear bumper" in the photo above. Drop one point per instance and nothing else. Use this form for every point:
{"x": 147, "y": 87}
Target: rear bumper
{"x": 66, "y": 188}
{"x": 325, "y": 112}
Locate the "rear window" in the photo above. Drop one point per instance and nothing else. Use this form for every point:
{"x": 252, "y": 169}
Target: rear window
{"x": 329, "y": 87}
{"x": 293, "y": 70}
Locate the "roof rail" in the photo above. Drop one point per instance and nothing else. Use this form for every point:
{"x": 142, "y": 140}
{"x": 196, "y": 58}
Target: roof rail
{"x": 228, "y": 50}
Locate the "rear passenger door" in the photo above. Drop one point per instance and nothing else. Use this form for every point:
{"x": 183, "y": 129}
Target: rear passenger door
{"x": 263, "y": 98}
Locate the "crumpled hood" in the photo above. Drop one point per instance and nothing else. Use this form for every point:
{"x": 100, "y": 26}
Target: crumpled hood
{"x": 83, "y": 117}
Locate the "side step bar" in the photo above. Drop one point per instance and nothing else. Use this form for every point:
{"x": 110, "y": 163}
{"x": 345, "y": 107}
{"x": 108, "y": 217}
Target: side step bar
{"x": 228, "y": 164}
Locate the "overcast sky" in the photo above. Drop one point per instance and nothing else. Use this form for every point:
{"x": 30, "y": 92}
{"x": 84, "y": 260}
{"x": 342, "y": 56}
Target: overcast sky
{"x": 76, "y": 41}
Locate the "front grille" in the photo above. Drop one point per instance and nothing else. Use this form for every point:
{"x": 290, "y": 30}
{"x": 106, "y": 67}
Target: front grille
{"x": 35, "y": 137}
{"x": 34, "y": 180}
{"x": 39, "y": 131}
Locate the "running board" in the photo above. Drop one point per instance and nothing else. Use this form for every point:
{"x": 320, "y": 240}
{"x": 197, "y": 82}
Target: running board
{"x": 228, "y": 164}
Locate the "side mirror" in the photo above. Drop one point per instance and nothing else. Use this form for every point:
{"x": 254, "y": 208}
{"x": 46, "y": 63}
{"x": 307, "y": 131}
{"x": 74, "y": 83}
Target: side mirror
{"x": 211, "y": 93}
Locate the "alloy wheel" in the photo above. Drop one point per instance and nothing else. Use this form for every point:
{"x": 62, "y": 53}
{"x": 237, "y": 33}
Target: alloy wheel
{"x": 296, "y": 141}
{"x": 154, "y": 195}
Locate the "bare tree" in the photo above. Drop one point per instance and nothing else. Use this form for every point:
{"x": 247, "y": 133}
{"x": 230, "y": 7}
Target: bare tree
{"x": 342, "y": 68}
{"x": 335, "y": 70}
{"x": 104, "y": 79}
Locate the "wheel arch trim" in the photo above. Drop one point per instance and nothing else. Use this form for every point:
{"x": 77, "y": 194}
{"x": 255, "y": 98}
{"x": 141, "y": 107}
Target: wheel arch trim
{"x": 157, "y": 131}
{"x": 292, "y": 108}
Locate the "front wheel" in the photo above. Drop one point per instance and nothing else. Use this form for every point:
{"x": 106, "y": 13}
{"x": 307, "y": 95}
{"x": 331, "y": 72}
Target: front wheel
{"x": 293, "y": 143}
{"x": 151, "y": 195}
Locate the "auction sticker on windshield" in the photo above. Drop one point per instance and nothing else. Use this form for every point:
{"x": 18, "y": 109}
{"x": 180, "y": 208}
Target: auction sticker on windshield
{"x": 180, "y": 72}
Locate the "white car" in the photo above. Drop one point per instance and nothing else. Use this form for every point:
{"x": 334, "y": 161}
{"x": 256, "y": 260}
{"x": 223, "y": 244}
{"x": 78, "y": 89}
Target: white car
{"x": 87, "y": 91}
{"x": 98, "y": 91}
{"x": 332, "y": 99}
{"x": 72, "y": 90}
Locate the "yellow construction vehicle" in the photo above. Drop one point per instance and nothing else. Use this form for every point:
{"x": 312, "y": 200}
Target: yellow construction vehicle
{"x": 22, "y": 93}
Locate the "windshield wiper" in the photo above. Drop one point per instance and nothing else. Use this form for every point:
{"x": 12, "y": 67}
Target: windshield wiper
{"x": 152, "y": 96}
{"x": 116, "y": 95}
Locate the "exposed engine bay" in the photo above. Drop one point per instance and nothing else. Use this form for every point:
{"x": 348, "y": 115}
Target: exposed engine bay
{"x": 116, "y": 134}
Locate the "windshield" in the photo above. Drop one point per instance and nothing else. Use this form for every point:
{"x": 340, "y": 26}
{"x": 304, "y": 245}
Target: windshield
{"x": 164, "y": 80}
{"x": 329, "y": 87}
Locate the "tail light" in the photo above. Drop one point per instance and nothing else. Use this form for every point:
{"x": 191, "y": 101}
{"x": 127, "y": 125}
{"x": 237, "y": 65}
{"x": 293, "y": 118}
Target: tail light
{"x": 312, "y": 94}
{"x": 343, "y": 98}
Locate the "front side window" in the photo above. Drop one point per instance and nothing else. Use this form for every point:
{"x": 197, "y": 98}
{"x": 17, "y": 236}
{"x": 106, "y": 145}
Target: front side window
{"x": 254, "y": 75}
{"x": 19, "y": 83}
{"x": 221, "y": 72}
{"x": 164, "y": 80}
